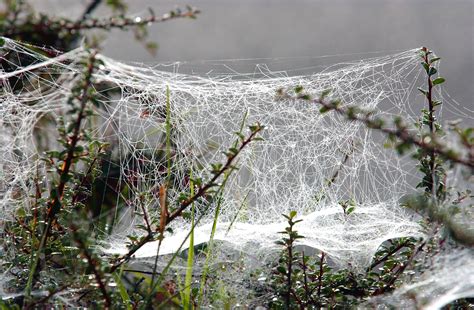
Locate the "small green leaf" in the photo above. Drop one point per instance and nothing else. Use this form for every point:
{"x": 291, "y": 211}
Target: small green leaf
{"x": 323, "y": 110}
{"x": 433, "y": 60}
{"x": 438, "y": 80}
{"x": 426, "y": 66}
{"x": 325, "y": 93}
{"x": 432, "y": 71}
{"x": 298, "y": 89}
{"x": 2, "y": 42}
{"x": 281, "y": 269}
{"x": 424, "y": 92}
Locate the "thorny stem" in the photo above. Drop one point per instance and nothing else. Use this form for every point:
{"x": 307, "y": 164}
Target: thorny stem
{"x": 147, "y": 238}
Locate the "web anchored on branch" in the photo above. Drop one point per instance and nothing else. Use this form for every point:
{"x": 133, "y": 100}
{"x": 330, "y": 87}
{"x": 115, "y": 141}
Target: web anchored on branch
{"x": 310, "y": 162}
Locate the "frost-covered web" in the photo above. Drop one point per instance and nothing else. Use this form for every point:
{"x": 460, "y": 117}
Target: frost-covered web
{"x": 309, "y": 162}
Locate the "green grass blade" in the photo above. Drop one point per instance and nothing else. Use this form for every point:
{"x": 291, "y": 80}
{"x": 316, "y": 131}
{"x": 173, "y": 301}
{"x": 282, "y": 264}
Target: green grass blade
{"x": 122, "y": 290}
{"x": 189, "y": 269}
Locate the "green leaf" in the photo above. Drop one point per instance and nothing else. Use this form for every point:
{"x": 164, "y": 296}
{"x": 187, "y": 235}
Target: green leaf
{"x": 324, "y": 110}
{"x": 2, "y": 42}
{"x": 432, "y": 71}
{"x": 438, "y": 80}
{"x": 281, "y": 269}
{"x": 254, "y": 128}
{"x": 234, "y": 150}
{"x": 78, "y": 149}
{"x": 426, "y": 66}
{"x": 298, "y": 89}
{"x": 325, "y": 93}
{"x": 433, "y": 60}
{"x": 424, "y": 92}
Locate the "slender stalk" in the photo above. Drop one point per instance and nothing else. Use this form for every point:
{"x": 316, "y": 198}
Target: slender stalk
{"x": 211, "y": 241}
{"x": 320, "y": 276}
{"x": 390, "y": 253}
{"x": 400, "y": 270}
{"x": 401, "y": 132}
{"x": 431, "y": 122}
{"x": 304, "y": 268}
{"x": 54, "y": 204}
{"x": 89, "y": 9}
{"x": 189, "y": 268}
{"x": 106, "y": 24}
{"x": 216, "y": 216}
{"x": 289, "y": 274}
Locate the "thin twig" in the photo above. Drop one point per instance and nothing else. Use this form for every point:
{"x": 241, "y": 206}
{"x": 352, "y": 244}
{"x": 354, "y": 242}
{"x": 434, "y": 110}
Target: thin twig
{"x": 400, "y": 270}
{"x": 90, "y": 8}
{"x": 401, "y": 132}
{"x": 106, "y": 24}
{"x": 320, "y": 276}
{"x": 54, "y": 204}
{"x": 390, "y": 253}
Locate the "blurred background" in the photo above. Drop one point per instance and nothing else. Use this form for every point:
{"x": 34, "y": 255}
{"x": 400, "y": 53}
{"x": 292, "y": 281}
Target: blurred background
{"x": 298, "y": 36}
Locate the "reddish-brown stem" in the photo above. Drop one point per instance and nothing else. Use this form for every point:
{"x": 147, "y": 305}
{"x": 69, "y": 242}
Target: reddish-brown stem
{"x": 390, "y": 253}
{"x": 320, "y": 275}
{"x": 73, "y": 140}
{"x": 400, "y": 270}
{"x": 431, "y": 122}
{"x": 401, "y": 133}
{"x": 113, "y": 22}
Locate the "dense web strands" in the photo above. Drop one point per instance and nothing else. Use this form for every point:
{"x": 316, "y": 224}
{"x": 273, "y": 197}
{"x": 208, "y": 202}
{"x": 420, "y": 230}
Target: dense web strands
{"x": 309, "y": 162}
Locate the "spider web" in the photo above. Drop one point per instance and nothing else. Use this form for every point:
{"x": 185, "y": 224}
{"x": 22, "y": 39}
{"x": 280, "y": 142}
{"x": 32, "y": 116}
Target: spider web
{"x": 309, "y": 162}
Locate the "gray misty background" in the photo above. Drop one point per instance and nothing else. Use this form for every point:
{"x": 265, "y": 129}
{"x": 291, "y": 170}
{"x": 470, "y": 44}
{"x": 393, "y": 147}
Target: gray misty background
{"x": 300, "y": 31}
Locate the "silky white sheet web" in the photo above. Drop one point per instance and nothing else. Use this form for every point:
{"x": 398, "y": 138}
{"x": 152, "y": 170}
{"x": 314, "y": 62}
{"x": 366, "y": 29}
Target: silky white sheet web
{"x": 290, "y": 170}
